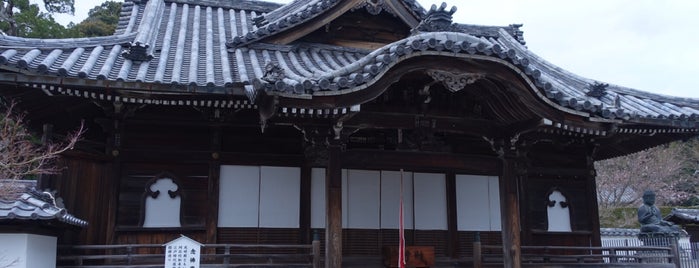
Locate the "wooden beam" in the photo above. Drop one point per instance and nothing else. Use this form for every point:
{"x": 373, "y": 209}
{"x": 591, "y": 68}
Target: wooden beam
{"x": 333, "y": 195}
{"x": 450, "y": 124}
{"x": 424, "y": 162}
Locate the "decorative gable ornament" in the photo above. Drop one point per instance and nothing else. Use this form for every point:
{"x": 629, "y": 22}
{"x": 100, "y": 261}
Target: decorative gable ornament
{"x": 273, "y": 73}
{"x": 137, "y": 52}
{"x": 374, "y": 7}
{"x": 183, "y": 252}
{"x": 437, "y": 20}
{"x": 455, "y": 81}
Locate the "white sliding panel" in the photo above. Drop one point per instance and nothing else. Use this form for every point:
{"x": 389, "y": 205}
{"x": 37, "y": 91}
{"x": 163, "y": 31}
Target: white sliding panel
{"x": 477, "y": 203}
{"x": 390, "y": 199}
{"x": 318, "y": 198}
{"x": 495, "y": 217}
{"x": 345, "y": 199}
{"x": 280, "y": 191}
{"x": 363, "y": 199}
{"x": 430, "y": 201}
{"x": 239, "y": 196}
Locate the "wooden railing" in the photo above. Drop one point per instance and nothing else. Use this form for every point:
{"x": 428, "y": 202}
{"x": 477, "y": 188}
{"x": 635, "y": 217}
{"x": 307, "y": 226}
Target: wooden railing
{"x": 561, "y": 256}
{"x": 213, "y": 255}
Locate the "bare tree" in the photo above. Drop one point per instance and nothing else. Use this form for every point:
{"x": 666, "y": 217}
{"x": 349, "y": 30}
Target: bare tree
{"x": 21, "y": 155}
{"x": 621, "y": 181}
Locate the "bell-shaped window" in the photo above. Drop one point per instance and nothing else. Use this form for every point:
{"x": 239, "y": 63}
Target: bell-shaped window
{"x": 558, "y": 211}
{"x": 162, "y": 203}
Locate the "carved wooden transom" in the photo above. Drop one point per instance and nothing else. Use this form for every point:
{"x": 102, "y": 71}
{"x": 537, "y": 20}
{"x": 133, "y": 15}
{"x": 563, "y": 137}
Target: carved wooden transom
{"x": 455, "y": 81}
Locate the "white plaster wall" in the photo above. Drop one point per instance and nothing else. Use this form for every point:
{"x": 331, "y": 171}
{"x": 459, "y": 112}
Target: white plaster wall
{"x": 29, "y": 250}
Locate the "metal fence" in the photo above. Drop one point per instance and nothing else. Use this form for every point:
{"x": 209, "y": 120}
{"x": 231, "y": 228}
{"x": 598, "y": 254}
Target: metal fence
{"x": 688, "y": 252}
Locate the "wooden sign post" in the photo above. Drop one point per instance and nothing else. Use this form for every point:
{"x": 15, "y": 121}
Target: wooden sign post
{"x": 182, "y": 252}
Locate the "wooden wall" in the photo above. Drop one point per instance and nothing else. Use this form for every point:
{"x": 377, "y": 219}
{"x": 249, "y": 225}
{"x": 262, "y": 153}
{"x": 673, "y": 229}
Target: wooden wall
{"x": 567, "y": 170}
{"x": 110, "y": 192}
{"x": 191, "y": 178}
{"x": 85, "y": 185}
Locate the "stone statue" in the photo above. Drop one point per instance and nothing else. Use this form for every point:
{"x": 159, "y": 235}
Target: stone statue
{"x": 650, "y": 218}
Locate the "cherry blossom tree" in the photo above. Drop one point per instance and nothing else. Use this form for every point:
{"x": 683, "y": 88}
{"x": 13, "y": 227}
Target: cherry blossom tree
{"x": 621, "y": 181}
{"x": 22, "y": 155}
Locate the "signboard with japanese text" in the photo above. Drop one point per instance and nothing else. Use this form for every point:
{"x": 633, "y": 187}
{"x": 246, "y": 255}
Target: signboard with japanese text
{"x": 182, "y": 252}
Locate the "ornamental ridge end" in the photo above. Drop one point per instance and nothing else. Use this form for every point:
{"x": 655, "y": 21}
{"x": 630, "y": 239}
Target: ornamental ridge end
{"x": 437, "y": 19}
{"x": 137, "y": 52}
{"x": 597, "y": 90}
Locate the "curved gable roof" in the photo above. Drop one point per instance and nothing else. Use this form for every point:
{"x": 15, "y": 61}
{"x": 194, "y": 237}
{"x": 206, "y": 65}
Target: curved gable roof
{"x": 291, "y": 21}
{"x": 169, "y": 47}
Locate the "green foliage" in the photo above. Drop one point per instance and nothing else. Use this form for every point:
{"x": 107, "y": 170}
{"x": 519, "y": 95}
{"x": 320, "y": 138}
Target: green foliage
{"x": 102, "y": 20}
{"x": 20, "y": 18}
{"x": 33, "y": 23}
{"x": 60, "y": 6}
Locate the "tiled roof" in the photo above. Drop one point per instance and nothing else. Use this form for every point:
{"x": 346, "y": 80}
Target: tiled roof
{"x": 616, "y": 232}
{"x": 36, "y": 206}
{"x": 683, "y": 216}
{"x": 612, "y": 232}
{"x": 298, "y": 12}
{"x": 181, "y": 47}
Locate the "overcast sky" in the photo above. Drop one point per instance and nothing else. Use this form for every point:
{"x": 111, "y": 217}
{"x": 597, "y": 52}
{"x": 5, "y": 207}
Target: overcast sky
{"x": 650, "y": 45}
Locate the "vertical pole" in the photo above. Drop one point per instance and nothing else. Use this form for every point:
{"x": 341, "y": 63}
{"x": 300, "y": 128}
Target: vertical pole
{"x": 333, "y": 195}
{"x": 675, "y": 253}
{"x": 509, "y": 211}
{"x": 227, "y": 255}
{"x": 477, "y": 252}
{"x": 316, "y": 251}
{"x": 129, "y": 258}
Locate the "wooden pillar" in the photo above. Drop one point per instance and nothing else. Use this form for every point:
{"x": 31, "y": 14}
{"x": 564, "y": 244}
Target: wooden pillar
{"x": 509, "y": 211}
{"x": 305, "y": 233}
{"x": 213, "y": 186}
{"x": 333, "y": 197}
{"x": 592, "y": 197}
{"x": 115, "y": 132}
